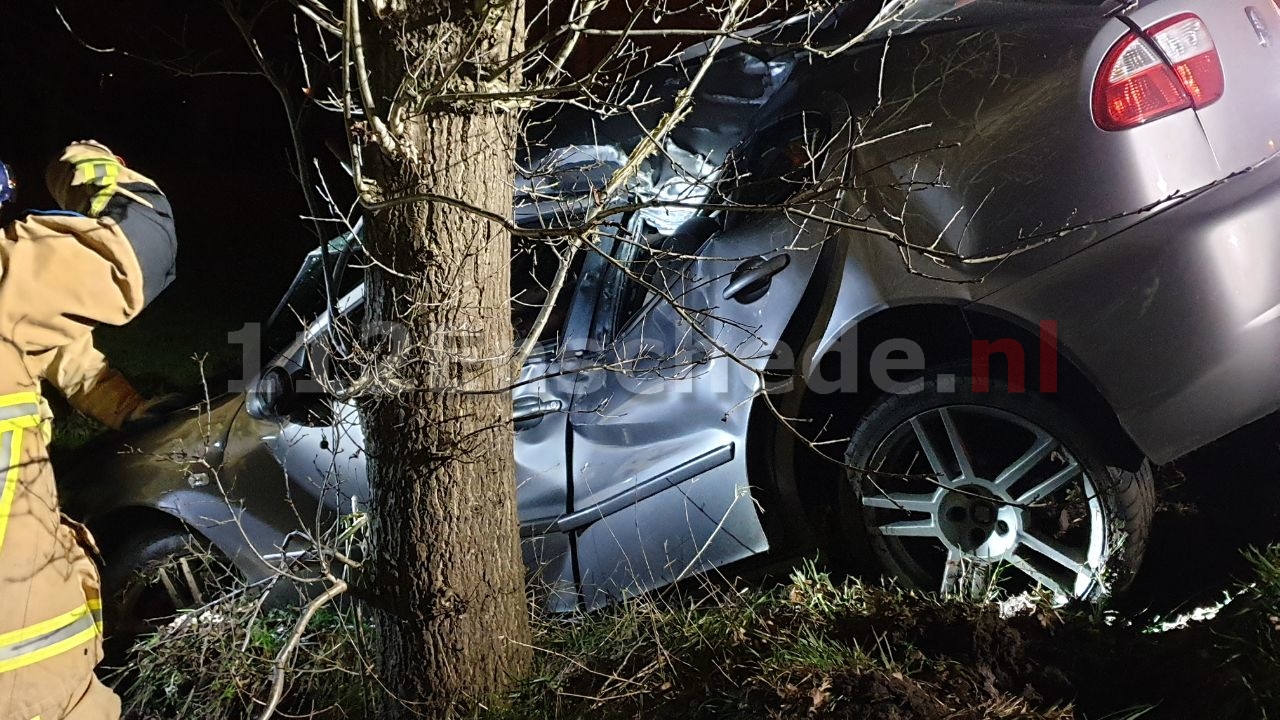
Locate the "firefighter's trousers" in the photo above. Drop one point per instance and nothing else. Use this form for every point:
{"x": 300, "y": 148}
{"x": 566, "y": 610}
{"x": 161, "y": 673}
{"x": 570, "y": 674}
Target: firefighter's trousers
{"x": 50, "y": 606}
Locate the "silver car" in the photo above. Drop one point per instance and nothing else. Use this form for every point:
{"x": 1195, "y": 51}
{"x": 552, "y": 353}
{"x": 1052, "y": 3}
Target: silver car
{"x": 1049, "y": 261}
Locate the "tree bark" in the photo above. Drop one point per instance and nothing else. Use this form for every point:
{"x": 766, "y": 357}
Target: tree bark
{"x": 452, "y": 618}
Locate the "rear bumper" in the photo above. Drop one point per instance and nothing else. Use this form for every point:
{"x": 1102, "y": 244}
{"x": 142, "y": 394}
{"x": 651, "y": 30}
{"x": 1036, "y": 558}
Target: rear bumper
{"x": 1177, "y": 319}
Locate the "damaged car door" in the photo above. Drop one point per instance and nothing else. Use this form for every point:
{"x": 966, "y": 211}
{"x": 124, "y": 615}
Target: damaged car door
{"x": 684, "y": 328}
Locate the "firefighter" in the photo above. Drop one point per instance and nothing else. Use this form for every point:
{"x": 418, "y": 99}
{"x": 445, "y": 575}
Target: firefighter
{"x": 101, "y": 259}
{"x": 80, "y": 372}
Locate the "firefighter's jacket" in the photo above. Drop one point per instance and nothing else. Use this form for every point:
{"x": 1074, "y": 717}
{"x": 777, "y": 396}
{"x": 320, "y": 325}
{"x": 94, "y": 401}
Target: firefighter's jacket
{"x": 61, "y": 274}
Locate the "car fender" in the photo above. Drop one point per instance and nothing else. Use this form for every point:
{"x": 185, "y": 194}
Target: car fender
{"x": 112, "y": 491}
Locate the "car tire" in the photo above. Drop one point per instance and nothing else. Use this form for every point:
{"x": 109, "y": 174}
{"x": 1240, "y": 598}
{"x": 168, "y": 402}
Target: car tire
{"x": 150, "y": 576}
{"x": 1031, "y": 501}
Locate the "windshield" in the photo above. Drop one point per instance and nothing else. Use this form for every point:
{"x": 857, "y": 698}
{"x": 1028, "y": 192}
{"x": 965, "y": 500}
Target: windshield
{"x": 305, "y": 300}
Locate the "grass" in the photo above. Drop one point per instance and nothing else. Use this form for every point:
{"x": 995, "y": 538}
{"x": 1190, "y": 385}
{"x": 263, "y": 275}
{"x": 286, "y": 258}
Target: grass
{"x": 811, "y": 647}
{"x": 216, "y": 664}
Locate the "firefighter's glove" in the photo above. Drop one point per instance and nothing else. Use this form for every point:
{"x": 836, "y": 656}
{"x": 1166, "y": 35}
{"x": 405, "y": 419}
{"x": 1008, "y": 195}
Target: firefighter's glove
{"x": 113, "y": 401}
{"x": 154, "y": 410}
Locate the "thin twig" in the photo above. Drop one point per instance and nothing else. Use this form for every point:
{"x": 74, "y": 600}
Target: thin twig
{"x": 338, "y": 587}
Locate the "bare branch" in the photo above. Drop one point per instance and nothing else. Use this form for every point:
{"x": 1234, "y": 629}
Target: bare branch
{"x": 337, "y": 587}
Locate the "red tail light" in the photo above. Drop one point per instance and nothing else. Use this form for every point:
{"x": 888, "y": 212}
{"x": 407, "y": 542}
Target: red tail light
{"x": 1136, "y": 86}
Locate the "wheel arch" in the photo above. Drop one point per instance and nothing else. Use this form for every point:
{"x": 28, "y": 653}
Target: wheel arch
{"x": 115, "y": 528}
{"x": 1077, "y": 391}
{"x": 797, "y": 484}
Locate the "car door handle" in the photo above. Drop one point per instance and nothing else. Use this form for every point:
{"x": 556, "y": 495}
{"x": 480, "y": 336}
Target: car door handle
{"x": 528, "y": 411}
{"x": 751, "y": 280}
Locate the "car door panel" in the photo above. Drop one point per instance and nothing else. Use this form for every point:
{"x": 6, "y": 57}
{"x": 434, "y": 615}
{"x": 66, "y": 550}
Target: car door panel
{"x": 659, "y": 427}
{"x": 542, "y": 483}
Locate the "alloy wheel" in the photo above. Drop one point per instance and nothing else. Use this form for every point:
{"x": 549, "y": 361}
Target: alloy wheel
{"x": 961, "y": 497}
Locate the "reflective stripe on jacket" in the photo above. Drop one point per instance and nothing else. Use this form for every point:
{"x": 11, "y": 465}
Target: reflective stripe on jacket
{"x": 53, "y": 636}
{"x": 18, "y": 412}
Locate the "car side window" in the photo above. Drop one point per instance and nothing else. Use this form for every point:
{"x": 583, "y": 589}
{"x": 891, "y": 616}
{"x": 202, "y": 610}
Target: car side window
{"x": 535, "y": 263}
{"x": 768, "y": 172}
{"x": 638, "y": 266}
{"x": 776, "y": 166}
{"x": 657, "y": 268}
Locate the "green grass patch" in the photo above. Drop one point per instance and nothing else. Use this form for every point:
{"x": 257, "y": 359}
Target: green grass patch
{"x": 811, "y": 647}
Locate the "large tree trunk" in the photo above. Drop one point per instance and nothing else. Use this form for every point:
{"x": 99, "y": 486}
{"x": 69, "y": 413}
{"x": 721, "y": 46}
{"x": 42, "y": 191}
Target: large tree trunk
{"x": 447, "y": 575}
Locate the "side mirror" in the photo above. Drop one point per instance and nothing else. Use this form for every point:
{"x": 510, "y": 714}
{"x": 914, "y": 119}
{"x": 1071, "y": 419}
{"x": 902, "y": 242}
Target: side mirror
{"x": 280, "y": 394}
{"x": 273, "y": 396}
{"x": 302, "y": 383}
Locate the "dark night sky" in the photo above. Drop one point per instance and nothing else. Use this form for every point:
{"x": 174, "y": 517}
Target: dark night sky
{"x": 216, "y": 144}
